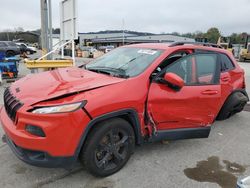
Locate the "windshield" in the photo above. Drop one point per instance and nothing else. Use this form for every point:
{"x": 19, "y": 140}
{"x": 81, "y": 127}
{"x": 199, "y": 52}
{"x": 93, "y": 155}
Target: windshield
{"x": 124, "y": 62}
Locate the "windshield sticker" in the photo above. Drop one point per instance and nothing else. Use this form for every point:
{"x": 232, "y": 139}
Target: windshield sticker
{"x": 148, "y": 52}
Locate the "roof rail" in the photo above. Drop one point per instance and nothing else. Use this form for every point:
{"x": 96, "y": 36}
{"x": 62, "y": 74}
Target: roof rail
{"x": 195, "y": 43}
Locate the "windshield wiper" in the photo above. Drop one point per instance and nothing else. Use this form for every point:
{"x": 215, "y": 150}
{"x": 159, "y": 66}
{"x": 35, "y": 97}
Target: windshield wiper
{"x": 82, "y": 66}
{"x": 109, "y": 70}
{"x": 99, "y": 70}
{"x": 130, "y": 61}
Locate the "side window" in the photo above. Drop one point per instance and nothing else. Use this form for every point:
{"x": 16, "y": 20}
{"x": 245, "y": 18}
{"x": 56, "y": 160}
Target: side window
{"x": 226, "y": 63}
{"x": 169, "y": 60}
{"x": 2, "y": 44}
{"x": 196, "y": 69}
{"x": 205, "y": 64}
{"x": 11, "y": 44}
{"x": 172, "y": 58}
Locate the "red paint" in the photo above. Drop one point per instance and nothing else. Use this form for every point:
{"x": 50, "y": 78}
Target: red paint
{"x": 174, "y": 79}
{"x": 189, "y": 107}
{"x": 192, "y": 106}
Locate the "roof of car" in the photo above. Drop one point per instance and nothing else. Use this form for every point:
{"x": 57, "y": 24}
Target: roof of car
{"x": 166, "y": 46}
{"x": 9, "y": 43}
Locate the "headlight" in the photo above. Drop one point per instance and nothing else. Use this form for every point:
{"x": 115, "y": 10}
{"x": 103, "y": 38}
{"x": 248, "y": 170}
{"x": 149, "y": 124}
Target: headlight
{"x": 59, "y": 109}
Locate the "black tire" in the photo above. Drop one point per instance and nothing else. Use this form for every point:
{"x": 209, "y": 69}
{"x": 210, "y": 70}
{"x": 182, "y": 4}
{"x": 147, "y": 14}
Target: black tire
{"x": 234, "y": 104}
{"x": 108, "y": 147}
{"x": 10, "y": 54}
{"x": 28, "y": 52}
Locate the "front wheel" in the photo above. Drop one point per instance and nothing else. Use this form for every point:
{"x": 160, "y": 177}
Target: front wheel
{"x": 108, "y": 147}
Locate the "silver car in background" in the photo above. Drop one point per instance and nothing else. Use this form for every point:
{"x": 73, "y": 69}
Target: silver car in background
{"x": 9, "y": 48}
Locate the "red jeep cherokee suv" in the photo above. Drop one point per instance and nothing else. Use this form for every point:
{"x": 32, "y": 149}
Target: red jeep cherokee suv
{"x": 135, "y": 94}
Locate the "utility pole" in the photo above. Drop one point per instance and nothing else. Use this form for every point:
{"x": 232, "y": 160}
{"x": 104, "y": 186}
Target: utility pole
{"x": 123, "y": 32}
{"x": 46, "y": 27}
{"x": 8, "y": 37}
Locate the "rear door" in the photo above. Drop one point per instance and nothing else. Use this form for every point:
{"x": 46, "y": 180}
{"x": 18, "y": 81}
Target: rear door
{"x": 196, "y": 104}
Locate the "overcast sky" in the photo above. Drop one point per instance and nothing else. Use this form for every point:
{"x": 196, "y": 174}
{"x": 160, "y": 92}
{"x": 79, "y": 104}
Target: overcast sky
{"x": 141, "y": 15}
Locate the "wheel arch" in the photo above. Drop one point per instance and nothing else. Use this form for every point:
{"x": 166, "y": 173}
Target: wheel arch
{"x": 9, "y": 51}
{"x": 129, "y": 115}
{"x": 243, "y": 91}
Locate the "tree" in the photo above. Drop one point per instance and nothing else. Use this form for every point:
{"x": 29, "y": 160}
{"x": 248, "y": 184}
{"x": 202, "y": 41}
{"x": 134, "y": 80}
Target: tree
{"x": 188, "y": 35}
{"x": 213, "y": 35}
{"x": 236, "y": 38}
{"x": 175, "y": 33}
{"x": 19, "y": 29}
{"x": 199, "y": 34}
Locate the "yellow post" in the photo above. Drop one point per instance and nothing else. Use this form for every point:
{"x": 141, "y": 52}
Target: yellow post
{"x": 47, "y": 64}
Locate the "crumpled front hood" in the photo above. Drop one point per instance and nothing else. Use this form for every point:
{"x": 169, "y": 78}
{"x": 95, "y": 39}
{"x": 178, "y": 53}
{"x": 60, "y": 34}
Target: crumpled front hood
{"x": 47, "y": 85}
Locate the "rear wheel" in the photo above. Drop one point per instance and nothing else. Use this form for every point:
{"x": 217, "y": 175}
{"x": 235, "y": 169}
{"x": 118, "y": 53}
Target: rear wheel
{"x": 234, "y": 104}
{"x": 108, "y": 147}
{"x": 10, "y": 54}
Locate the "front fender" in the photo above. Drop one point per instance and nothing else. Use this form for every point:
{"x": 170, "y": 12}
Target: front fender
{"x": 133, "y": 119}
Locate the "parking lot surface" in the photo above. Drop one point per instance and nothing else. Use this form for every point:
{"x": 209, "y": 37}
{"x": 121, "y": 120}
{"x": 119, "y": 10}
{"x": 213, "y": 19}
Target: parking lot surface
{"x": 213, "y": 162}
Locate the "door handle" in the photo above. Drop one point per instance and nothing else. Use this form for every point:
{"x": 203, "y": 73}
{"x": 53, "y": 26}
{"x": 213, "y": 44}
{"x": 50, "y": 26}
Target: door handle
{"x": 225, "y": 79}
{"x": 209, "y": 92}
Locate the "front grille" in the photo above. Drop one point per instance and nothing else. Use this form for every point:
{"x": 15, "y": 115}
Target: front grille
{"x": 11, "y": 104}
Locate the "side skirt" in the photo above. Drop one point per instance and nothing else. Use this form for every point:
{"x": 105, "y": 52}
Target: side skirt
{"x": 178, "y": 134}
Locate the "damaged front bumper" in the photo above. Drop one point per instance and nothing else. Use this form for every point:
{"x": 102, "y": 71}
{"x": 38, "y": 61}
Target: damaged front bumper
{"x": 38, "y": 158}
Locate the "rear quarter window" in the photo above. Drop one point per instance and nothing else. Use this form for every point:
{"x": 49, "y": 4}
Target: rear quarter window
{"x": 226, "y": 63}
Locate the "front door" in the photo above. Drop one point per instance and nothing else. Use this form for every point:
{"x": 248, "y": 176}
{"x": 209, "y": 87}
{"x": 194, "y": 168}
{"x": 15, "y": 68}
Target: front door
{"x": 196, "y": 104}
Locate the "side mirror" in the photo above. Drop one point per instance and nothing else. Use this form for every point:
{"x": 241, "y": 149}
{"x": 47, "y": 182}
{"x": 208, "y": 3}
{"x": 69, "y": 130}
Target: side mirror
{"x": 174, "y": 81}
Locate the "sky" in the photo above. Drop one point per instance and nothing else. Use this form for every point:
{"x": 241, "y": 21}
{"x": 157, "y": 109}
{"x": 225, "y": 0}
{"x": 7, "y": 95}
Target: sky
{"x": 156, "y": 16}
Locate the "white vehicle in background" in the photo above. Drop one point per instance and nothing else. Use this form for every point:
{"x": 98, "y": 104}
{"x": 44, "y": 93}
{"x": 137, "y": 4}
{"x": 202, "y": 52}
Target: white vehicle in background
{"x": 91, "y": 50}
{"x": 109, "y": 48}
{"x": 106, "y": 49}
{"x": 26, "y": 48}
